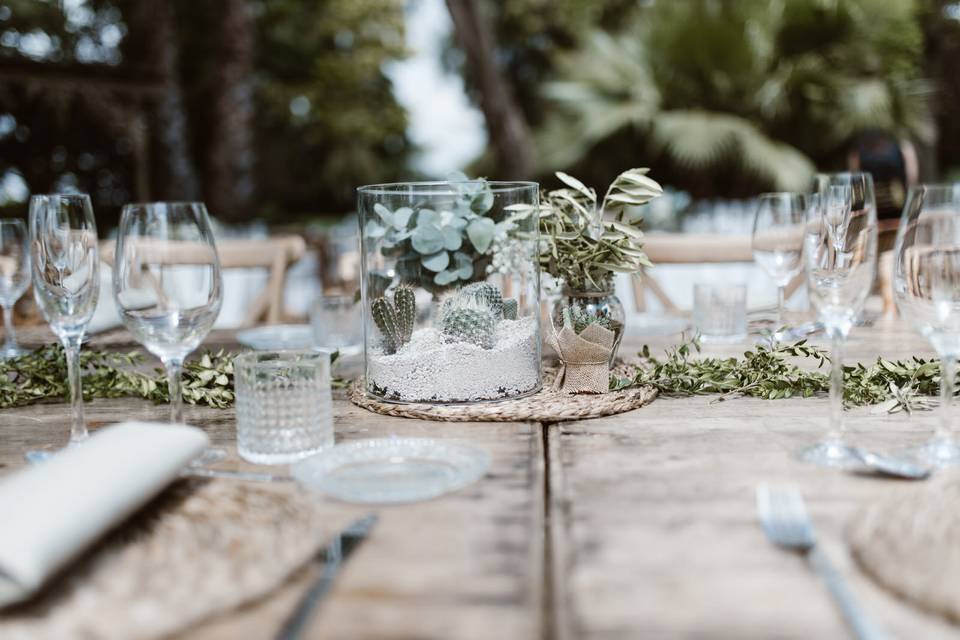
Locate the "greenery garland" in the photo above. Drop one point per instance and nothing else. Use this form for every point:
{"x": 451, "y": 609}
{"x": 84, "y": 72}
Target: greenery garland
{"x": 42, "y": 375}
{"x": 768, "y": 371}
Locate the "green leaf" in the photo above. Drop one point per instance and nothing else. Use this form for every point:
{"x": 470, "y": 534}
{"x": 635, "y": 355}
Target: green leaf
{"x": 427, "y": 239}
{"x": 451, "y": 238}
{"x": 576, "y": 184}
{"x": 480, "y": 232}
{"x": 436, "y": 262}
{"x": 401, "y": 217}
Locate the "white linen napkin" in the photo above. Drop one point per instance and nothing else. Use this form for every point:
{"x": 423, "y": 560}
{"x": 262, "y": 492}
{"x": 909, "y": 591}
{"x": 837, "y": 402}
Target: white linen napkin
{"x": 53, "y": 511}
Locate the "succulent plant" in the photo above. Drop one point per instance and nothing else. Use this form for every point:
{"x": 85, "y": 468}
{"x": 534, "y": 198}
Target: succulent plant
{"x": 395, "y": 319}
{"x": 486, "y": 293}
{"x": 579, "y": 319}
{"x": 475, "y": 326}
{"x": 510, "y": 309}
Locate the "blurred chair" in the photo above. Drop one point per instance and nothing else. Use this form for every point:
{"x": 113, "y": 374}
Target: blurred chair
{"x": 276, "y": 254}
{"x": 685, "y": 248}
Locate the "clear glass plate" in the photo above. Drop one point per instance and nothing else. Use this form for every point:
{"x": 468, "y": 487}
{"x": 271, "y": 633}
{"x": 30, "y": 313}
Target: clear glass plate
{"x": 392, "y": 470}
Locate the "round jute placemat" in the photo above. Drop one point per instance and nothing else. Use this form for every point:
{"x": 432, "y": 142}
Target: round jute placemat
{"x": 201, "y": 548}
{"x": 544, "y": 406}
{"x": 911, "y": 546}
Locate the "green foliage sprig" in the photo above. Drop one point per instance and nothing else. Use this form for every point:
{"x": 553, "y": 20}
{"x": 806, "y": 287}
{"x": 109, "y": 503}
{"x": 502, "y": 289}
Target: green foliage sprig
{"x": 42, "y": 375}
{"x": 768, "y": 372}
{"x": 586, "y": 240}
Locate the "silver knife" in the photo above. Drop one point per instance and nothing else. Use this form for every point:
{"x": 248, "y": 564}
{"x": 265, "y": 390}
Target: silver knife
{"x": 334, "y": 555}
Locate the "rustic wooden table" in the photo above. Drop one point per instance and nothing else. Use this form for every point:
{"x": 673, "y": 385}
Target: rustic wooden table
{"x": 634, "y": 526}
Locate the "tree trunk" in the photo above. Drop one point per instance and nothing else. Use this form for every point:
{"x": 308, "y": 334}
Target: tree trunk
{"x": 508, "y": 130}
{"x": 230, "y": 155}
{"x": 153, "y": 43}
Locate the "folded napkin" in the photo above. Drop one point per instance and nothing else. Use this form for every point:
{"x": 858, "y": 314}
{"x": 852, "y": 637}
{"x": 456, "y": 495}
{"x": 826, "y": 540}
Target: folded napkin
{"x": 55, "y": 510}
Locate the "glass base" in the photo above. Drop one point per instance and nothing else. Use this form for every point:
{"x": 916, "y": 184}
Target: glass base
{"x": 831, "y": 453}
{"x": 938, "y": 452}
{"x": 12, "y": 352}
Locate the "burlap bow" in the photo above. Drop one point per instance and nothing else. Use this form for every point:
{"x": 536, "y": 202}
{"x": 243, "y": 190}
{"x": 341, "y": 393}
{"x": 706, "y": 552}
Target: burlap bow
{"x": 584, "y": 359}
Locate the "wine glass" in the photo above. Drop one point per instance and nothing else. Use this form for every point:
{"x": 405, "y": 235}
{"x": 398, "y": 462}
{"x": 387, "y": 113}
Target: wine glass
{"x": 66, "y": 280}
{"x": 841, "y": 260}
{"x": 167, "y": 282}
{"x": 14, "y": 278}
{"x": 777, "y": 242}
{"x": 926, "y": 285}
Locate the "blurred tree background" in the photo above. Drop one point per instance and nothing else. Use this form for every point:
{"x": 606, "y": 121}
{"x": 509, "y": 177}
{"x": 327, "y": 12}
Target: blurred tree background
{"x": 277, "y": 109}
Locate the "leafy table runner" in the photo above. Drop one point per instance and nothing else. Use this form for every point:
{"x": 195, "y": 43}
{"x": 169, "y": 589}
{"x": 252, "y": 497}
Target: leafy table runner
{"x": 203, "y": 547}
{"x": 911, "y": 546}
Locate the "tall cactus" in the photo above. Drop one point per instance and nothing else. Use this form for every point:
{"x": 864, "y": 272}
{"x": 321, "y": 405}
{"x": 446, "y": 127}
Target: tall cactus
{"x": 395, "y": 320}
{"x": 510, "y": 308}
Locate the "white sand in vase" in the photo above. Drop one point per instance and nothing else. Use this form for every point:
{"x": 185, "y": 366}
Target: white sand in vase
{"x": 430, "y": 369}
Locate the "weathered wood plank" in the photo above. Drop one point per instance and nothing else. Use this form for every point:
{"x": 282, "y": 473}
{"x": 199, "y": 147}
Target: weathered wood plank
{"x": 468, "y": 565}
{"x": 652, "y": 524}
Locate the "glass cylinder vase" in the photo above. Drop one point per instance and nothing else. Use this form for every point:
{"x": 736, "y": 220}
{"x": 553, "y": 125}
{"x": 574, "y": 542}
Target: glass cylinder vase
{"x": 450, "y": 290}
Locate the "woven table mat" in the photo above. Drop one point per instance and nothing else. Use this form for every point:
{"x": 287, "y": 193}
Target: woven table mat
{"x": 543, "y": 406}
{"x": 202, "y": 548}
{"x": 911, "y": 546}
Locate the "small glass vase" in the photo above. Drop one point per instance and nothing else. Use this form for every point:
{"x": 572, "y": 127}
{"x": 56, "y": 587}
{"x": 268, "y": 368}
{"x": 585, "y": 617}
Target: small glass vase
{"x": 595, "y": 302}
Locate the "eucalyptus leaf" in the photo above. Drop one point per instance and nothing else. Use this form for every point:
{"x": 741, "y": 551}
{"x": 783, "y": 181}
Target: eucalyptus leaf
{"x": 401, "y": 217}
{"x": 373, "y": 230}
{"x": 451, "y": 238}
{"x": 463, "y": 265}
{"x": 436, "y": 262}
{"x": 427, "y": 239}
{"x": 480, "y": 232}
{"x": 445, "y": 277}
{"x": 384, "y": 213}
{"x": 427, "y": 217}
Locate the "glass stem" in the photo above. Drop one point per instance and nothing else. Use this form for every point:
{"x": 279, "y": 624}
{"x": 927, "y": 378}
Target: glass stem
{"x": 836, "y": 388}
{"x": 9, "y": 338}
{"x": 78, "y": 426}
{"x": 780, "y": 304}
{"x": 948, "y": 370}
{"x": 173, "y": 367}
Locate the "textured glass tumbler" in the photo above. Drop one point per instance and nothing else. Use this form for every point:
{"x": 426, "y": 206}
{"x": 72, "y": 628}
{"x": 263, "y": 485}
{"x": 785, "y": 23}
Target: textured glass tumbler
{"x": 720, "y": 312}
{"x": 284, "y": 405}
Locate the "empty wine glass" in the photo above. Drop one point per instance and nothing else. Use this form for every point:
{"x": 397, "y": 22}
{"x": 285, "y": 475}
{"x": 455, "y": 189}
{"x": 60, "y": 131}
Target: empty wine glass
{"x": 167, "y": 282}
{"x": 926, "y": 285}
{"x": 841, "y": 259}
{"x": 66, "y": 280}
{"x": 14, "y": 278}
{"x": 777, "y": 242}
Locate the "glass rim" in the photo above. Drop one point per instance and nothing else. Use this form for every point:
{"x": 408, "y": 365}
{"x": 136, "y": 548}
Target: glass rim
{"x": 60, "y": 195}
{"x": 313, "y": 355}
{"x": 936, "y": 187}
{"x": 171, "y": 203}
{"x": 436, "y": 187}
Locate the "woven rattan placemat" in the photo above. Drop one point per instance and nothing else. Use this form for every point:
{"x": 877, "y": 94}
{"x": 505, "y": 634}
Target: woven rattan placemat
{"x": 544, "y": 406}
{"x": 202, "y": 548}
{"x": 910, "y": 545}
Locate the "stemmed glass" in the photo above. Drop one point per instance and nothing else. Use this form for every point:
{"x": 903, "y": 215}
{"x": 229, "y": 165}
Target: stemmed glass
{"x": 66, "y": 280}
{"x": 841, "y": 260}
{"x": 926, "y": 285}
{"x": 14, "y": 278}
{"x": 167, "y": 282}
{"x": 777, "y": 242}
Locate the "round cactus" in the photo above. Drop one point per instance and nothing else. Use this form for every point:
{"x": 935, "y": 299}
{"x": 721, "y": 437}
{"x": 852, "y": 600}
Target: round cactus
{"x": 475, "y": 325}
{"x": 486, "y": 293}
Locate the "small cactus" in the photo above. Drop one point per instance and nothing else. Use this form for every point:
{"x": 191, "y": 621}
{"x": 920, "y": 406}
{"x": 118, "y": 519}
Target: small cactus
{"x": 395, "y": 319}
{"x": 486, "y": 293}
{"x": 510, "y": 309}
{"x": 469, "y": 324}
{"x": 579, "y": 319}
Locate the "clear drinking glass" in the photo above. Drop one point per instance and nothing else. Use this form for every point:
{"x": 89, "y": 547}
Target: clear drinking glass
{"x": 284, "y": 405}
{"x": 14, "y": 278}
{"x": 337, "y": 324}
{"x": 777, "y": 242}
{"x": 167, "y": 282}
{"x": 66, "y": 279}
{"x": 841, "y": 260}
{"x": 720, "y": 312}
{"x": 927, "y": 290}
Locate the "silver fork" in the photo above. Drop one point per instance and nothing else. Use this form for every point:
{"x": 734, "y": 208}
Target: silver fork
{"x": 783, "y": 517}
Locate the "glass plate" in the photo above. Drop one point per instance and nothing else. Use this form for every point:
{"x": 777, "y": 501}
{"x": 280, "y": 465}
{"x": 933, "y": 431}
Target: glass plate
{"x": 392, "y": 470}
{"x": 277, "y": 337}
